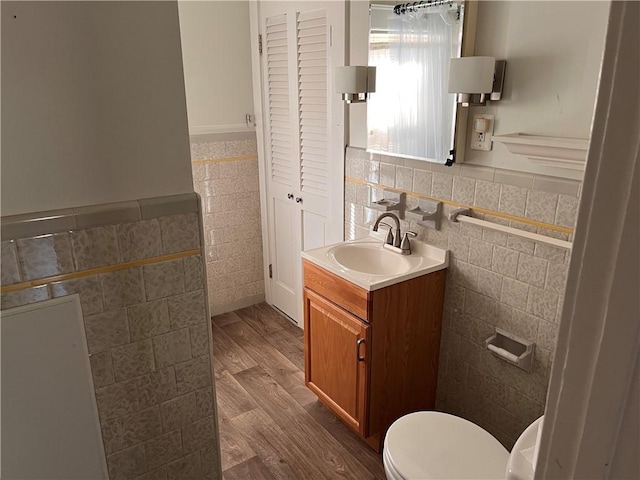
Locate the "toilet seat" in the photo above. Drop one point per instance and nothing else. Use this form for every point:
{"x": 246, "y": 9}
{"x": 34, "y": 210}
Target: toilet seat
{"x": 435, "y": 445}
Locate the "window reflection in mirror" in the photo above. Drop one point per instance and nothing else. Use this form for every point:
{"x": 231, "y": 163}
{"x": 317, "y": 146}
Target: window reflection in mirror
{"x": 411, "y": 115}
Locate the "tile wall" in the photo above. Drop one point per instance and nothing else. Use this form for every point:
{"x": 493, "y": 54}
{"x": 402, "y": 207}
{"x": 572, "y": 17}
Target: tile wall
{"x": 225, "y": 175}
{"x": 137, "y": 267}
{"x": 494, "y": 279}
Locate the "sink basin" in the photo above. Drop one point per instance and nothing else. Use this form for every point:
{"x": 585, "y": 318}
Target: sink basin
{"x": 369, "y": 258}
{"x": 367, "y": 264}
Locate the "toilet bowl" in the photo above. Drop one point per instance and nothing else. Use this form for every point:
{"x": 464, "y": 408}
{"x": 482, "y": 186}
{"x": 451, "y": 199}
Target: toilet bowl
{"x": 435, "y": 445}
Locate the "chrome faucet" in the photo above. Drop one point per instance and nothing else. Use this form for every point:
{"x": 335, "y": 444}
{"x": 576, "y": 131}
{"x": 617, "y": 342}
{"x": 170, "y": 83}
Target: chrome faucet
{"x": 396, "y": 242}
{"x": 395, "y": 238}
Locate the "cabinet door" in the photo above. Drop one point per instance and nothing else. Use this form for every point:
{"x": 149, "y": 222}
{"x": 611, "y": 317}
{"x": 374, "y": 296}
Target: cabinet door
{"x": 337, "y": 346}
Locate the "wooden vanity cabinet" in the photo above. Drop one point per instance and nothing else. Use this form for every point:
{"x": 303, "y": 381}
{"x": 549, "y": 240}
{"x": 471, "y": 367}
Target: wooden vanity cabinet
{"x": 372, "y": 357}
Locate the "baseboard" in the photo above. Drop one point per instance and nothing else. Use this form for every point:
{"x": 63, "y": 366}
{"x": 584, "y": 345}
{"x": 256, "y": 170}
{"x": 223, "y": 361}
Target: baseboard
{"x": 230, "y": 307}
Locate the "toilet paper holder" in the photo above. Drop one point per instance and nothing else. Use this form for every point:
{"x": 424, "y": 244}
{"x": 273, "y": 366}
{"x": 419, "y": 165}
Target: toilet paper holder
{"x": 512, "y": 349}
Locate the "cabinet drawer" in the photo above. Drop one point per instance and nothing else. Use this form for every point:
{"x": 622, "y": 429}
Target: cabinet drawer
{"x": 341, "y": 292}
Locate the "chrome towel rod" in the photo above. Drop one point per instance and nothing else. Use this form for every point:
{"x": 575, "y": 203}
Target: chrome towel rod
{"x": 463, "y": 215}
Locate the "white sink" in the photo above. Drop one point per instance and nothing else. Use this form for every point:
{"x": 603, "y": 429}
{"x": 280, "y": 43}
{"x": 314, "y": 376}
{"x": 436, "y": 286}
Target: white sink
{"x": 367, "y": 264}
{"x": 370, "y": 258}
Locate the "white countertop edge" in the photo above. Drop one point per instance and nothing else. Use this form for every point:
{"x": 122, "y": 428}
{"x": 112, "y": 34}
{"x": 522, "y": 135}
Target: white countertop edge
{"x": 317, "y": 256}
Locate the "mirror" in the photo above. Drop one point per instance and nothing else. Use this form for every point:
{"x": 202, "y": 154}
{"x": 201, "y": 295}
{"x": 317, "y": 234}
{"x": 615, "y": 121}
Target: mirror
{"x": 411, "y": 114}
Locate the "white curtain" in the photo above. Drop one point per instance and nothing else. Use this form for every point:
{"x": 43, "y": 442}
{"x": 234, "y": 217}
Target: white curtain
{"x": 413, "y": 115}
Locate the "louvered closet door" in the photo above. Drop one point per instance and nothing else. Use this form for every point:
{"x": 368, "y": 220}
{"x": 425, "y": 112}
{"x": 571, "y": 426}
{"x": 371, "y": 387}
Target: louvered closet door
{"x": 303, "y": 136}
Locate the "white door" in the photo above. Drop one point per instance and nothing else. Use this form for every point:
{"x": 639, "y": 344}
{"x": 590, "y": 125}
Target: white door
{"x": 303, "y": 137}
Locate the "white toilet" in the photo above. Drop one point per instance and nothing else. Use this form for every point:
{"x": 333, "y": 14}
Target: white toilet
{"x": 434, "y": 445}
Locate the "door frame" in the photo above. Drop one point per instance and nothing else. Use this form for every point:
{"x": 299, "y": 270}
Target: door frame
{"x": 596, "y": 359}
{"x": 258, "y": 87}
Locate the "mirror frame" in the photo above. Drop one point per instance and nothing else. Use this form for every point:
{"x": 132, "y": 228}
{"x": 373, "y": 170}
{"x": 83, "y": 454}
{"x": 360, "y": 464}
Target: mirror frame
{"x": 467, "y": 48}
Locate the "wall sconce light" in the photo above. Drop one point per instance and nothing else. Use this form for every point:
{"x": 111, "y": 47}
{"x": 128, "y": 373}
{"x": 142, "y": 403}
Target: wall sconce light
{"x": 355, "y": 83}
{"x": 476, "y": 79}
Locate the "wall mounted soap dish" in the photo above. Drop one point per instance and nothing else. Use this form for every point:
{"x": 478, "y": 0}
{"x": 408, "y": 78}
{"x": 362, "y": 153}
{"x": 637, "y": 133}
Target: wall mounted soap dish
{"x": 512, "y": 349}
{"x": 428, "y": 213}
{"x": 391, "y": 202}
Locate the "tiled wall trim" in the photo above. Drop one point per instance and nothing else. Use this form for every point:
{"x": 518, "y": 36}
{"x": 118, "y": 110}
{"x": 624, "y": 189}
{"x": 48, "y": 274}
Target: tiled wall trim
{"x": 468, "y": 203}
{"x": 225, "y": 174}
{"x": 15, "y": 286}
{"x": 494, "y": 279}
{"x": 223, "y": 160}
{"x": 58, "y": 221}
{"x": 223, "y": 137}
{"x": 526, "y": 180}
{"x": 147, "y": 331}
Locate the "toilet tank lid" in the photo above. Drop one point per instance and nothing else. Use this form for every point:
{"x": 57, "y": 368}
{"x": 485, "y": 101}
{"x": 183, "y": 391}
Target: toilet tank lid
{"x": 435, "y": 445}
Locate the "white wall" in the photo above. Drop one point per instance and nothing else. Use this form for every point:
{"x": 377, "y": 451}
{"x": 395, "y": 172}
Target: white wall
{"x": 93, "y": 106}
{"x": 553, "y": 52}
{"x": 217, "y": 64}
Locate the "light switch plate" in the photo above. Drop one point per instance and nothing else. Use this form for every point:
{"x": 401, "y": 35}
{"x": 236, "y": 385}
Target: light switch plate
{"x": 482, "y": 140}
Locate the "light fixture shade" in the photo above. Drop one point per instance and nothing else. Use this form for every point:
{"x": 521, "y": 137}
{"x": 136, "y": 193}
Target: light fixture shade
{"x": 355, "y": 80}
{"x": 471, "y": 74}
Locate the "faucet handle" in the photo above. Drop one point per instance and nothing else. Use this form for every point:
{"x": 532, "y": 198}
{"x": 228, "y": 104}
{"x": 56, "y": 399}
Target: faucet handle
{"x": 405, "y": 245}
{"x": 389, "y": 239}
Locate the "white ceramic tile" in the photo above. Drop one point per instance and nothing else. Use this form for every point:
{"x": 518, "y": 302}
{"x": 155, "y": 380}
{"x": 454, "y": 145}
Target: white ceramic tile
{"x": 521, "y": 244}
{"x": 547, "y": 335}
{"x": 549, "y": 252}
{"x": 122, "y": 288}
{"x": 556, "y": 277}
{"x": 404, "y": 178}
{"x": 442, "y": 185}
{"x": 422, "y": 180}
{"x": 487, "y": 195}
{"x": 371, "y": 171}
{"x": 542, "y": 303}
{"x": 9, "y": 263}
{"x": 478, "y": 172}
{"x": 479, "y": 306}
{"x": 514, "y": 293}
{"x": 559, "y": 186}
{"x": 45, "y": 255}
{"x": 505, "y": 261}
{"x": 567, "y": 212}
{"x": 459, "y": 247}
{"x": 480, "y": 253}
{"x": 522, "y": 325}
{"x": 532, "y": 270}
{"x": 489, "y": 283}
{"x": 512, "y": 200}
{"x": 23, "y": 297}
{"x": 463, "y": 190}
{"x": 541, "y": 206}
{"x": 466, "y": 275}
{"x": 387, "y": 175}
{"x": 516, "y": 179}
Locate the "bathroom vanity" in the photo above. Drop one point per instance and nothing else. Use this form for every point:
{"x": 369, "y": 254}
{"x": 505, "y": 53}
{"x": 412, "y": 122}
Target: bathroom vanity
{"x": 372, "y": 331}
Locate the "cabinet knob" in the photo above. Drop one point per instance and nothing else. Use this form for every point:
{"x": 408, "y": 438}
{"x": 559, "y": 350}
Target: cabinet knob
{"x": 289, "y": 196}
{"x": 358, "y": 343}
{"x": 298, "y": 199}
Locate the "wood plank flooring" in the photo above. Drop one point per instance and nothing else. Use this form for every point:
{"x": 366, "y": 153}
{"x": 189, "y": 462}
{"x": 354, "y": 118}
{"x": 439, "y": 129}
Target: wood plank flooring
{"x": 271, "y": 425}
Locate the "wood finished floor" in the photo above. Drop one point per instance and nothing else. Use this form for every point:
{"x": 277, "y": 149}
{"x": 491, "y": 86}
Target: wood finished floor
{"x": 271, "y": 425}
